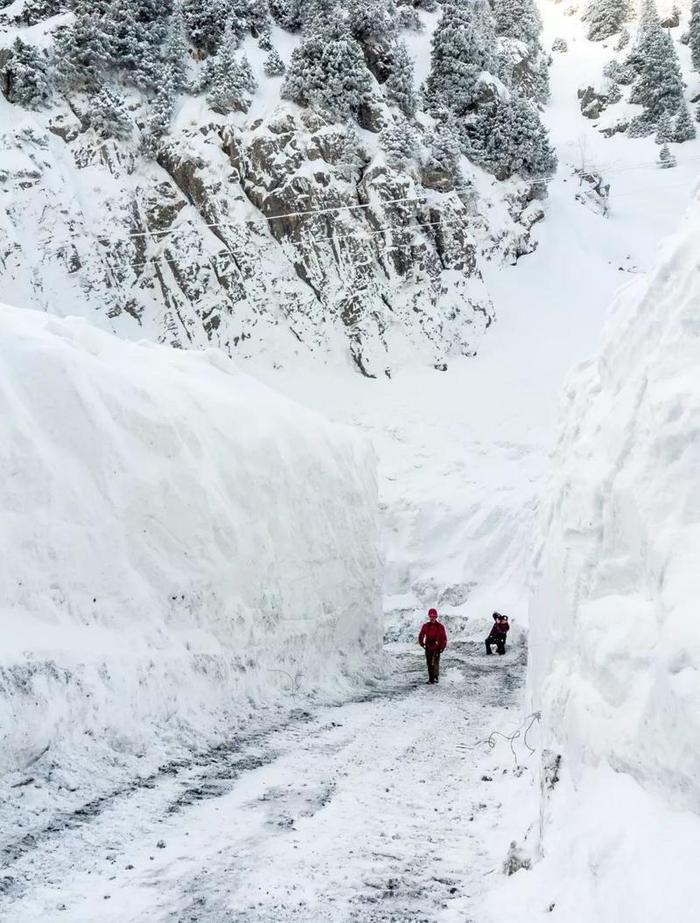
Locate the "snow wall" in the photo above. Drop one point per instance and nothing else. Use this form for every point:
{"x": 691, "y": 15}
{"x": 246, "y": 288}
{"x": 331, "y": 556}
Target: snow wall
{"x": 615, "y": 637}
{"x": 179, "y": 545}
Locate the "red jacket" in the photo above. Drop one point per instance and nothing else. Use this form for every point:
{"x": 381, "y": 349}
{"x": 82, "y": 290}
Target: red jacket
{"x": 433, "y": 636}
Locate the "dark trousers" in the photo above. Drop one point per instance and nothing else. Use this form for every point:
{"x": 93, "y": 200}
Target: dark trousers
{"x": 432, "y": 658}
{"x": 499, "y": 641}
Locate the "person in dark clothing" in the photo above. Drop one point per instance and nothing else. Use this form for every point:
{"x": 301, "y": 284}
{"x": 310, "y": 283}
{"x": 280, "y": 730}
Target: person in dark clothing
{"x": 433, "y": 639}
{"x": 498, "y": 634}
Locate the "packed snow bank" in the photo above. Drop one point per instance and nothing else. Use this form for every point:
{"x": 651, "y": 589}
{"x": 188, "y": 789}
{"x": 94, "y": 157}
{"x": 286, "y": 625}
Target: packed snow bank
{"x": 179, "y": 545}
{"x": 616, "y": 649}
{"x": 615, "y": 642}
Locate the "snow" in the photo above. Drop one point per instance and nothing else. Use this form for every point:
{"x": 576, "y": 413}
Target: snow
{"x": 383, "y": 809}
{"x": 180, "y": 546}
{"x": 615, "y": 651}
{"x": 465, "y": 457}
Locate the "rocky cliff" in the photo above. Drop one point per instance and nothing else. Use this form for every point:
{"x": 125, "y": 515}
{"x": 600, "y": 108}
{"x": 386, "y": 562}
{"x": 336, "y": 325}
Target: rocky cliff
{"x": 273, "y": 231}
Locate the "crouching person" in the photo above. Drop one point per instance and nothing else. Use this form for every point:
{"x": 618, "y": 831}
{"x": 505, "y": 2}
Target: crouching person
{"x": 498, "y": 634}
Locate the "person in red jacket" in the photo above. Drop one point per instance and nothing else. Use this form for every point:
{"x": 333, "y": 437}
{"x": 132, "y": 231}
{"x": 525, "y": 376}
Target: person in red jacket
{"x": 433, "y": 639}
{"x": 498, "y": 633}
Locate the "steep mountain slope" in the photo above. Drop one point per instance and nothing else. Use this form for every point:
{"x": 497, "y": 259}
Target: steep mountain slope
{"x": 256, "y": 224}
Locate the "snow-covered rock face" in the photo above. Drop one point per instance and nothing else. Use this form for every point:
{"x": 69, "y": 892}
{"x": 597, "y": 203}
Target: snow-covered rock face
{"x": 179, "y": 544}
{"x": 615, "y": 641}
{"x": 272, "y": 230}
{"x": 223, "y": 243}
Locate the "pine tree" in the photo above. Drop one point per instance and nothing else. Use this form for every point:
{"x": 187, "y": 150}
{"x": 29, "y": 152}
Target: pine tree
{"x": 624, "y": 39}
{"x": 274, "y": 65}
{"x": 109, "y": 115}
{"x": 508, "y": 138}
{"x": 176, "y": 52}
{"x": 666, "y": 159}
{"x": 445, "y": 157}
{"x": 206, "y": 23}
{"x": 248, "y": 81}
{"x": 659, "y": 86}
{"x": 372, "y": 21}
{"x": 606, "y": 18}
{"x": 161, "y": 113}
{"x": 400, "y": 142}
{"x": 519, "y": 19}
{"x": 408, "y": 19}
{"x": 694, "y": 34}
{"x": 265, "y": 36}
{"x": 463, "y": 46}
{"x": 619, "y": 72}
{"x": 230, "y": 83}
{"x": 287, "y": 13}
{"x": 26, "y": 76}
{"x": 81, "y": 50}
{"x": 684, "y": 129}
{"x": 328, "y": 71}
{"x": 400, "y": 86}
{"x": 664, "y": 130}
{"x": 135, "y": 31}
{"x": 648, "y": 16}
{"x": 541, "y": 90}
{"x": 316, "y": 14}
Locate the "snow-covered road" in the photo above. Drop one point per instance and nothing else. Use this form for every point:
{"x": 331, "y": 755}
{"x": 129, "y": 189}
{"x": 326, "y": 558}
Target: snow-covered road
{"x": 375, "y": 810}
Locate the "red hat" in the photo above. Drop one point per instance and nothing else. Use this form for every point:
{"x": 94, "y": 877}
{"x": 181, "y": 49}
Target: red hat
{"x": 432, "y": 613}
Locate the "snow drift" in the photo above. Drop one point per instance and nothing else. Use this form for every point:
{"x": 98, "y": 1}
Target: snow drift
{"x": 179, "y": 544}
{"x": 615, "y": 643}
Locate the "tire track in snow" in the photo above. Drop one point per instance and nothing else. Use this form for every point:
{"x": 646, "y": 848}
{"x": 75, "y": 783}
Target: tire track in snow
{"x": 369, "y": 811}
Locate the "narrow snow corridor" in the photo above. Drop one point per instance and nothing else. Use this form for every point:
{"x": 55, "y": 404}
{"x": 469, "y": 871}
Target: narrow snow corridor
{"x": 380, "y": 809}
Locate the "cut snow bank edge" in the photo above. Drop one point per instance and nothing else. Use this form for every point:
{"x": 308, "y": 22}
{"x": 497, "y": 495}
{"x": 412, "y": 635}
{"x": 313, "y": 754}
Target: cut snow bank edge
{"x": 179, "y": 546}
{"x": 614, "y": 641}
{"x": 615, "y": 647}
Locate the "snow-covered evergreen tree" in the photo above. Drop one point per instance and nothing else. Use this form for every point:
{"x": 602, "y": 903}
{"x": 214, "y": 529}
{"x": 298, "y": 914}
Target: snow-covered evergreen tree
{"x": 109, "y": 115}
{"x": 541, "y": 89}
{"x": 694, "y": 34}
{"x": 648, "y": 16}
{"x": 176, "y": 52}
{"x": 507, "y": 138}
{"x": 445, "y": 156}
{"x": 265, "y": 36}
{"x": 230, "y": 82}
{"x": 659, "y": 86}
{"x": 408, "y": 19}
{"x": 161, "y": 112}
{"x": 664, "y": 130}
{"x": 666, "y": 159}
{"x": 519, "y": 19}
{"x": 372, "y": 21}
{"x": 684, "y": 128}
{"x": 463, "y": 46}
{"x": 400, "y": 85}
{"x": 26, "y": 76}
{"x": 82, "y": 50}
{"x": 400, "y": 142}
{"x": 287, "y": 13}
{"x": 606, "y": 17}
{"x": 620, "y": 72}
{"x": 135, "y": 31}
{"x": 274, "y": 65}
{"x": 328, "y": 71}
{"x": 206, "y": 22}
{"x": 248, "y": 81}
